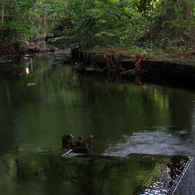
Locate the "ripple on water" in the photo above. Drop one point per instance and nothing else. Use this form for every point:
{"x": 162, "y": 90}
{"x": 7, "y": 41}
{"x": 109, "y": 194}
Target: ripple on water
{"x": 151, "y": 143}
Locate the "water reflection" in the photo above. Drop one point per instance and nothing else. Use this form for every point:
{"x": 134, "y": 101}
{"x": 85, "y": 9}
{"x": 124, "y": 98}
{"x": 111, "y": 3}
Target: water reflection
{"x": 126, "y": 114}
{"x": 42, "y": 172}
{"x": 40, "y": 102}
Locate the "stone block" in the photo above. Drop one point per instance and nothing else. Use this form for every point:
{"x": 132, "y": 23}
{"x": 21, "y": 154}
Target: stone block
{"x": 128, "y": 63}
{"x": 92, "y": 57}
{"x": 87, "y": 57}
{"x": 100, "y": 58}
{"x": 116, "y": 59}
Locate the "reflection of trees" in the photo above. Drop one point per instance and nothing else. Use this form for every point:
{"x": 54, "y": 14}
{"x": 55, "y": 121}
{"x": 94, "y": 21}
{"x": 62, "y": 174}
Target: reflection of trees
{"x": 82, "y": 103}
{"x": 6, "y": 122}
{"x": 14, "y": 92}
{"x": 49, "y": 173}
{"x": 127, "y": 103}
{"x": 11, "y": 70}
{"x": 56, "y": 175}
{"x": 180, "y": 102}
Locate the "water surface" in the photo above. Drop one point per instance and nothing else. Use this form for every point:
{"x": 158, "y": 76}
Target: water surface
{"x": 40, "y": 102}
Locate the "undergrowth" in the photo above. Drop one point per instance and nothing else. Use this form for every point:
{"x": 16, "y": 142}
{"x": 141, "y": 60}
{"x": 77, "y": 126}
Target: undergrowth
{"x": 162, "y": 50}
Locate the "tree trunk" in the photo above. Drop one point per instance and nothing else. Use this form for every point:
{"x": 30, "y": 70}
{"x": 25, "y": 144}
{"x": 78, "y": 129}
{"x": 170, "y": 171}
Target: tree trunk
{"x": 175, "y": 19}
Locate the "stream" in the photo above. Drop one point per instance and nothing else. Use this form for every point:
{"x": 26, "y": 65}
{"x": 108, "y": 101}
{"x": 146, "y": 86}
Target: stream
{"x": 39, "y": 102}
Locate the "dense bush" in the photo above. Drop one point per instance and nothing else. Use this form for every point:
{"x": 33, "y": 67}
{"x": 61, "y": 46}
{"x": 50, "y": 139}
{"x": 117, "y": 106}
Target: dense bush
{"x": 97, "y": 23}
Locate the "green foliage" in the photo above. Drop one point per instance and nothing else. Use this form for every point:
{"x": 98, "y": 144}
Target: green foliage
{"x": 15, "y": 23}
{"x": 56, "y": 39}
{"x": 96, "y": 23}
{"x": 174, "y": 20}
{"x": 103, "y": 22}
{"x": 22, "y": 19}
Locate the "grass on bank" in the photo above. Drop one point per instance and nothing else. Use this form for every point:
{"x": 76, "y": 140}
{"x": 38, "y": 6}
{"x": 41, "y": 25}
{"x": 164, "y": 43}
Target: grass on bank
{"x": 172, "y": 51}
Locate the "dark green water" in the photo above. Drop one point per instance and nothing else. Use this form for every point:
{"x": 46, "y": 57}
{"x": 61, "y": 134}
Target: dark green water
{"x": 123, "y": 116}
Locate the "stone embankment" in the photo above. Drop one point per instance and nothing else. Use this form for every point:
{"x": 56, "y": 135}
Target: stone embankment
{"x": 139, "y": 63}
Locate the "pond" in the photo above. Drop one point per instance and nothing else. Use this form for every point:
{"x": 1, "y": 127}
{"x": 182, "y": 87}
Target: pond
{"x": 40, "y": 102}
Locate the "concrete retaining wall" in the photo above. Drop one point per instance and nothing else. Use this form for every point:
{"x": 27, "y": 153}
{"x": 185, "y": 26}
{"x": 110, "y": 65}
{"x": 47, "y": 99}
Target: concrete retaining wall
{"x": 123, "y": 61}
{"x": 170, "y": 69}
